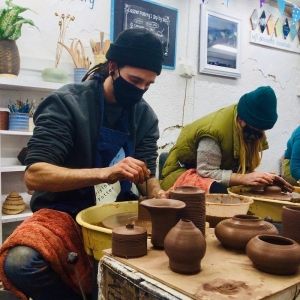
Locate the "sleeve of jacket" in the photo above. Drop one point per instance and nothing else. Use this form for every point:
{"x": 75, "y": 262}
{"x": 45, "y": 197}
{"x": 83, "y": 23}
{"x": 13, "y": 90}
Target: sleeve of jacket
{"x": 146, "y": 138}
{"x": 53, "y": 135}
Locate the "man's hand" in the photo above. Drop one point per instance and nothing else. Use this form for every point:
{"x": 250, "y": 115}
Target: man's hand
{"x": 128, "y": 168}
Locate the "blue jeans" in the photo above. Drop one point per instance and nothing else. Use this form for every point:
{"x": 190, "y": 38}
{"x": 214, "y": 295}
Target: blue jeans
{"x": 32, "y": 275}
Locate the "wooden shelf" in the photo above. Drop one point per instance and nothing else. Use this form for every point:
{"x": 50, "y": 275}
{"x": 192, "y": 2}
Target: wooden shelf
{"x": 18, "y": 84}
{"x": 8, "y": 169}
{"x": 13, "y": 132}
{"x": 15, "y": 218}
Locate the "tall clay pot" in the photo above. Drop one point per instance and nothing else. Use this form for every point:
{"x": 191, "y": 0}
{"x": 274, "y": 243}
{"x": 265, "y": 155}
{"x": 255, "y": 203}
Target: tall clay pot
{"x": 10, "y": 58}
{"x": 164, "y": 215}
{"x": 185, "y": 246}
{"x": 194, "y": 198}
{"x": 236, "y": 232}
{"x": 274, "y": 254}
{"x": 291, "y": 222}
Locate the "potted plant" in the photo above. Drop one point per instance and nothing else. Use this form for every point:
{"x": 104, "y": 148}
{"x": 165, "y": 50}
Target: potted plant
{"x": 11, "y": 23}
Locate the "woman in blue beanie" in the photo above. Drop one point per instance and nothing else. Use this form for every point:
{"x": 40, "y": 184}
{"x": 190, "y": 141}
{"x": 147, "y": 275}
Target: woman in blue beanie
{"x": 291, "y": 162}
{"x": 225, "y": 147}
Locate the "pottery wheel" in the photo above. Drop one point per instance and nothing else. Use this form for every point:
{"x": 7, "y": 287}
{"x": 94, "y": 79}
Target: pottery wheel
{"x": 122, "y": 219}
{"x": 267, "y": 195}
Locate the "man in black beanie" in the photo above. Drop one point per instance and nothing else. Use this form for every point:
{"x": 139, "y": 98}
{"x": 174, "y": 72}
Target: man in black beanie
{"x": 90, "y": 143}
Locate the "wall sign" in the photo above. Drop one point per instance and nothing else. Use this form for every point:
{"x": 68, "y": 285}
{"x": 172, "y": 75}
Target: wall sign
{"x": 270, "y": 27}
{"x": 158, "y": 19}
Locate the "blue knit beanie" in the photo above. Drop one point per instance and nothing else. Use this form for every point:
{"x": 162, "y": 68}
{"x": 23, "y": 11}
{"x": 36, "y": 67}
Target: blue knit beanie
{"x": 258, "y": 108}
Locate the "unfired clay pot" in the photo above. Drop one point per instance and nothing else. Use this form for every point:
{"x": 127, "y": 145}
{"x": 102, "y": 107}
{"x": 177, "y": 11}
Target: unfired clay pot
{"x": 185, "y": 247}
{"x": 291, "y": 222}
{"x": 274, "y": 254}
{"x": 272, "y": 189}
{"x": 236, "y": 232}
{"x": 129, "y": 241}
{"x": 164, "y": 215}
{"x": 194, "y": 198}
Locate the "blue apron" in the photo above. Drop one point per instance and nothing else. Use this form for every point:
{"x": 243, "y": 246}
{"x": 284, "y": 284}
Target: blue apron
{"x": 109, "y": 143}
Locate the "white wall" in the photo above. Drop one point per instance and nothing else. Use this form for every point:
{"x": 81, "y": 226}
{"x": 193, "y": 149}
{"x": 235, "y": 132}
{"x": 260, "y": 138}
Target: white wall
{"x": 177, "y": 100}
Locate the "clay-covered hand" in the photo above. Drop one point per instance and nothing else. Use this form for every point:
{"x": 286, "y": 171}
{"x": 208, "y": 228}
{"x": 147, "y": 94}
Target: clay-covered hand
{"x": 258, "y": 178}
{"x": 285, "y": 186}
{"x": 128, "y": 168}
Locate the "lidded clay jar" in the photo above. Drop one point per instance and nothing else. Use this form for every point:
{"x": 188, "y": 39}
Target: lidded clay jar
{"x": 291, "y": 222}
{"x": 274, "y": 254}
{"x": 164, "y": 215}
{"x": 129, "y": 241}
{"x": 236, "y": 232}
{"x": 13, "y": 204}
{"x": 194, "y": 198}
{"x": 185, "y": 246}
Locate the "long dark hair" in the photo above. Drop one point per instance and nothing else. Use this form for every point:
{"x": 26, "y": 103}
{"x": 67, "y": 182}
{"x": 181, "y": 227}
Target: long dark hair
{"x": 101, "y": 70}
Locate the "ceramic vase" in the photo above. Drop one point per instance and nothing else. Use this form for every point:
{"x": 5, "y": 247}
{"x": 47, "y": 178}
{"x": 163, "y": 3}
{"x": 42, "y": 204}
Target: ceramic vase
{"x": 235, "y": 233}
{"x": 10, "y": 58}
{"x": 4, "y": 113}
{"x": 291, "y": 222}
{"x": 129, "y": 241}
{"x": 164, "y": 215}
{"x": 194, "y": 198}
{"x": 18, "y": 121}
{"x": 13, "y": 204}
{"x": 185, "y": 246}
{"x": 274, "y": 254}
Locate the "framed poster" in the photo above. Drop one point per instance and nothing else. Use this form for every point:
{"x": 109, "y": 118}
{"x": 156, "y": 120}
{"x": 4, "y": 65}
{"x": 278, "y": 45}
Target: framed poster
{"x": 219, "y": 44}
{"x": 158, "y": 19}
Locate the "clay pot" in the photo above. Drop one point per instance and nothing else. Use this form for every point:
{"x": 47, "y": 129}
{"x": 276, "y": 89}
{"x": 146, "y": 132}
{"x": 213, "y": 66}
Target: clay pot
{"x": 274, "y": 254}
{"x": 272, "y": 189}
{"x": 194, "y": 198}
{"x": 164, "y": 215}
{"x": 13, "y": 204}
{"x": 185, "y": 247}
{"x": 291, "y": 222}
{"x": 129, "y": 241}
{"x": 236, "y": 232}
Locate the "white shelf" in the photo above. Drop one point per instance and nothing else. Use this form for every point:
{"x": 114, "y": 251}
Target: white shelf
{"x": 17, "y": 84}
{"x": 15, "y": 218}
{"x": 8, "y": 169}
{"x": 13, "y": 132}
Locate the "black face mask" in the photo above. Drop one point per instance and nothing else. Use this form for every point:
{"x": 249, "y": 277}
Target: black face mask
{"x": 126, "y": 93}
{"x": 251, "y": 134}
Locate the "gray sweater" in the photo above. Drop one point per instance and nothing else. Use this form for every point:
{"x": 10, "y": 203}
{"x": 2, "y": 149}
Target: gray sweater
{"x": 66, "y": 131}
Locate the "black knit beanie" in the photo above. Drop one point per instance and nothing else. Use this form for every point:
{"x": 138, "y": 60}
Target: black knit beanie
{"x": 258, "y": 108}
{"x": 138, "y": 48}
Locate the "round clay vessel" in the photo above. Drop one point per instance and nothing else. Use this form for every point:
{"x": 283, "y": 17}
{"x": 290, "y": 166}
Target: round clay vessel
{"x": 194, "y": 198}
{"x": 129, "y": 241}
{"x": 235, "y": 233}
{"x": 185, "y": 246}
{"x": 291, "y": 222}
{"x": 13, "y": 204}
{"x": 164, "y": 215}
{"x": 272, "y": 189}
{"x": 274, "y": 254}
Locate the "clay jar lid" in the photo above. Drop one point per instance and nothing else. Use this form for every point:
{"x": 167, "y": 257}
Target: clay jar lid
{"x": 163, "y": 203}
{"x": 129, "y": 241}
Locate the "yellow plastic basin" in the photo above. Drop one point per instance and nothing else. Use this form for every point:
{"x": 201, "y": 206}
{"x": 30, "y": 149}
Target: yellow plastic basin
{"x": 97, "y": 238}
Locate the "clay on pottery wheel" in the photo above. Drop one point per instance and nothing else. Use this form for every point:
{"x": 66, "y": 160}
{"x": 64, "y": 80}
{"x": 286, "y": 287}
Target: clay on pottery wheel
{"x": 194, "y": 198}
{"x": 291, "y": 222}
{"x": 235, "y": 233}
{"x": 13, "y": 204}
{"x": 118, "y": 220}
{"x": 185, "y": 247}
{"x": 274, "y": 254}
{"x": 164, "y": 215}
{"x": 129, "y": 241}
{"x": 272, "y": 189}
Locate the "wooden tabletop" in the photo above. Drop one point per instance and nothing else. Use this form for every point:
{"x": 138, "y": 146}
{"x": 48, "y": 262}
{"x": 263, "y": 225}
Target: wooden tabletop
{"x": 225, "y": 274}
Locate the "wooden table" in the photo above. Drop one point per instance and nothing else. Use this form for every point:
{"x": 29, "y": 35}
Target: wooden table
{"x": 225, "y": 275}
